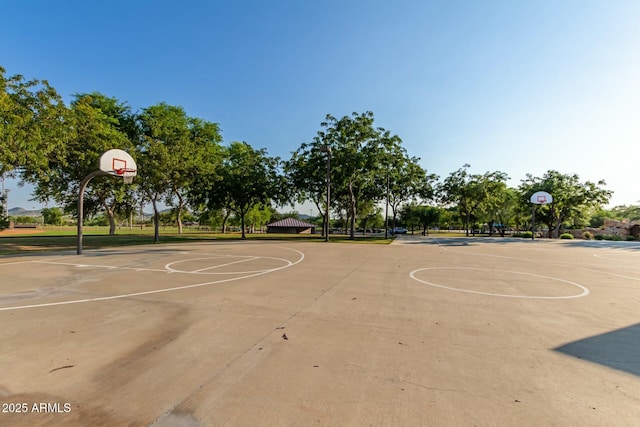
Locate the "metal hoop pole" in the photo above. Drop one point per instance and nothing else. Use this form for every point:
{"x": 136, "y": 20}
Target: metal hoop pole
{"x": 83, "y": 186}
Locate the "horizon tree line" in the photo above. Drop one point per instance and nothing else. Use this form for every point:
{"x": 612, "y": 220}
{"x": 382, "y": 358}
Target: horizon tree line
{"x": 184, "y": 163}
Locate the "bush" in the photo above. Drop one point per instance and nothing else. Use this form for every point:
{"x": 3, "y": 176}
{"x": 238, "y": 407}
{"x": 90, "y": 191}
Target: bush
{"x": 613, "y": 237}
{"x": 587, "y": 235}
{"x": 631, "y": 238}
{"x": 526, "y": 234}
{"x": 599, "y": 237}
{"x": 566, "y": 236}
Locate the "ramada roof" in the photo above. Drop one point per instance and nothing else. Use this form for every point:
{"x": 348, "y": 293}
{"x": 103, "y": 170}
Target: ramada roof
{"x": 290, "y": 223}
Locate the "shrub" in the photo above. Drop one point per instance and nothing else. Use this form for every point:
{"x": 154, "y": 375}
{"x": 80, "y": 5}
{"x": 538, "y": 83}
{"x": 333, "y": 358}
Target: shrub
{"x": 613, "y": 237}
{"x": 587, "y": 235}
{"x": 566, "y": 236}
{"x": 631, "y": 238}
{"x": 526, "y": 234}
{"x": 599, "y": 237}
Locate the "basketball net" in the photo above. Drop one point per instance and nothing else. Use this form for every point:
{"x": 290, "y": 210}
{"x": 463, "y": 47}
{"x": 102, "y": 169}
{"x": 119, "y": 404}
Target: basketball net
{"x": 127, "y": 174}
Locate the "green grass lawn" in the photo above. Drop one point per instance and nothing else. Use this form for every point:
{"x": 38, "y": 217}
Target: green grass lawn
{"x": 65, "y": 238}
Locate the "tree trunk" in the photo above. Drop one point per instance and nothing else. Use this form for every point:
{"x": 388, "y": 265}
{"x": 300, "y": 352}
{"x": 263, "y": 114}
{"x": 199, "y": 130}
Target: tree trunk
{"x": 352, "y": 200}
{"x": 112, "y": 222}
{"x": 227, "y": 213}
{"x": 179, "y": 210}
{"x": 467, "y": 219}
{"x": 179, "y": 217}
{"x": 556, "y": 230}
{"x": 156, "y": 220}
{"x": 244, "y": 236}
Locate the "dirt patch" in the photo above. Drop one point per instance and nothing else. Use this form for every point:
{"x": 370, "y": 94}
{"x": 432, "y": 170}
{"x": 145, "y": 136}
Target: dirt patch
{"x": 18, "y": 231}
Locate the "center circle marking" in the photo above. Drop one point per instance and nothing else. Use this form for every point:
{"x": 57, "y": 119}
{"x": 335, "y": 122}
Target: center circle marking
{"x": 240, "y": 259}
{"x": 585, "y": 291}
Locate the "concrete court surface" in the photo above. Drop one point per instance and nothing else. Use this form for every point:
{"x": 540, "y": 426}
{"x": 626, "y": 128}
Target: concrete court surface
{"x": 423, "y": 332}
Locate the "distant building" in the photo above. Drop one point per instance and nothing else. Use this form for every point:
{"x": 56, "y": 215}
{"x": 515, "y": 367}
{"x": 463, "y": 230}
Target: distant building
{"x": 291, "y": 226}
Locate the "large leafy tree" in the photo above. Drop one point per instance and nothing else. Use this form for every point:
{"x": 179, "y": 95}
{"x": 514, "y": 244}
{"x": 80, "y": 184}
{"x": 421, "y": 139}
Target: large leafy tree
{"x": 408, "y": 181}
{"x": 249, "y": 178}
{"x": 33, "y": 126}
{"x": 357, "y": 148}
{"x": 469, "y": 192}
{"x": 94, "y": 132}
{"x": 499, "y": 208}
{"x": 428, "y": 216}
{"x": 306, "y": 173}
{"x": 176, "y": 152}
{"x": 624, "y": 212}
{"x": 570, "y": 197}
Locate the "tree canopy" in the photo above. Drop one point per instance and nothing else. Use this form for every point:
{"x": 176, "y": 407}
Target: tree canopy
{"x": 570, "y": 197}
{"x": 184, "y": 163}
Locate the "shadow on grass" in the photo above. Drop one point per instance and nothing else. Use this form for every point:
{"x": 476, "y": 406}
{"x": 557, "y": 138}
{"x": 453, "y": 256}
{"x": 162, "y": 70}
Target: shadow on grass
{"x": 619, "y": 349}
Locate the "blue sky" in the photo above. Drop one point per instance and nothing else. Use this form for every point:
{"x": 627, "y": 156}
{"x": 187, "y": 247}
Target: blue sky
{"x": 517, "y": 86}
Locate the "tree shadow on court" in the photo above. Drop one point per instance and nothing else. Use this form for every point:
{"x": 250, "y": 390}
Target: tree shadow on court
{"x": 463, "y": 241}
{"x": 619, "y": 349}
{"x": 471, "y": 241}
{"x": 604, "y": 244}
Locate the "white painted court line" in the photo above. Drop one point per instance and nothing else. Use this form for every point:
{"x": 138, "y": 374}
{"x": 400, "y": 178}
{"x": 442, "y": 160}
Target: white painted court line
{"x": 544, "y": 262}
{"x": 157, "y": 291}
{"x": 224, "y": 265}
{"x": 25, "y": 262}
{"x": 110, "y": 267}
{"x": 585, "y": 290}
{"x": 171, "y": 269}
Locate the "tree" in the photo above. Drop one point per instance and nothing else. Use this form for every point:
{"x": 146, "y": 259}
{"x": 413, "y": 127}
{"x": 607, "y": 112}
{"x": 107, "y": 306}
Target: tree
{"x": 177, "y": 154}
{"x": 306, "y": 173}
{"x": 94, "y": 132}
{"x": 408, "y": 181}
{"x": 52, "y": 216}
{"x": 249, "y": 178}
{"x": 258, "y": 216}
{"x": 427, "y": 217}
{"x": 409, "y": 216}
{"x": 33, "y": 128}
{"x": 469, "y": 192}
{"x": 499, "y": 208}
{"x": 570, "y": 197}
{"x": 625, "y": 212}
{"x": 369, "y": 215}
{"x": 356, "y": 151}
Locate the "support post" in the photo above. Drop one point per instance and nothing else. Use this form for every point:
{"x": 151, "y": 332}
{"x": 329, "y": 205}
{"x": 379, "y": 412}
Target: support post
{"x": 83, "y": 186}
{"x": 533, "y": 220}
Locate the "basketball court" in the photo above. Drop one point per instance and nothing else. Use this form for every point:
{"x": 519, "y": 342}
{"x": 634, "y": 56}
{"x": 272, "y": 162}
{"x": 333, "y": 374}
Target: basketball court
{"x": 424, "y": 331}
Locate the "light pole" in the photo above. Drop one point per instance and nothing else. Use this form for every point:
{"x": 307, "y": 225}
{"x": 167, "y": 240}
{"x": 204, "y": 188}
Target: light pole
{"x": 327, "y": 149}
{"x": 386, "y": 210}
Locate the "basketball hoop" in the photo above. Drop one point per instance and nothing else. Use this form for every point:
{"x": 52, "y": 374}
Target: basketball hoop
{"x": 126, "y": 174}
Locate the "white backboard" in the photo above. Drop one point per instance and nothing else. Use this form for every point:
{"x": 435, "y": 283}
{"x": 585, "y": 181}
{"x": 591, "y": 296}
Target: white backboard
{"x": 541, "y": 198}
{"x": 118, "y": 162}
